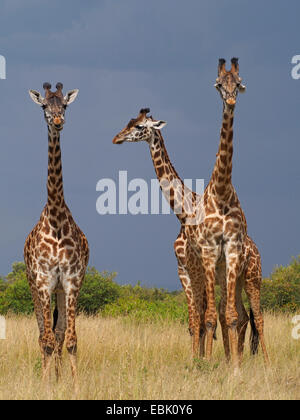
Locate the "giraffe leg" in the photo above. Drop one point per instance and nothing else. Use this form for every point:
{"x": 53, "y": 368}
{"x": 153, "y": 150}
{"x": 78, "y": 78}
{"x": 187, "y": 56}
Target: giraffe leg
{"x": 252, "y": 288}
{"x": 47, "y": 338}
{"x": 180, "y": 248}
{"x": 71, "y": 337}
{"x": 222, "y": 317}
{"x": 202, "y": 309}
{"x": 60, "y": 330}
{"x": 243, "y": 317}
{"x": 196, "y": 307}
{"x": 39, "y": 315}
{"x": 187, "y": 257}
{"x": 209, "y": 259}
{"x": 186, "y": 284}
{"x": 231, "y": 314}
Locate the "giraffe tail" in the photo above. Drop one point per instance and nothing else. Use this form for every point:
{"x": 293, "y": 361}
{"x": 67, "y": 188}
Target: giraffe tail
{"x": 55, "y": 315}
{"x": 254, "y": 337}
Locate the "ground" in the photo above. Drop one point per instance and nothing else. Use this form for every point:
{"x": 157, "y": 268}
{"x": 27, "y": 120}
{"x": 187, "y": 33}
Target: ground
{"x": 123, "y": 359}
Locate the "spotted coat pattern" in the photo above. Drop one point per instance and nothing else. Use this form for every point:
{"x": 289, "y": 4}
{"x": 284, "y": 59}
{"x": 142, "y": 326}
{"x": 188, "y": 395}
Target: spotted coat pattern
{"x": 56, "y": 255}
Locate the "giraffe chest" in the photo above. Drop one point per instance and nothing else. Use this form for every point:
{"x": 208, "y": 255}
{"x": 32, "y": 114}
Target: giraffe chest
{"x": 53, "y": 252}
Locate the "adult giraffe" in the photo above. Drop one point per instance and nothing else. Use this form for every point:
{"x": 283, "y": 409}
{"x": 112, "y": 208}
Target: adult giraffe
{"x": 56, "y": 252}
{"x": 228, "y": 253}
{"x": 184, "y": 204}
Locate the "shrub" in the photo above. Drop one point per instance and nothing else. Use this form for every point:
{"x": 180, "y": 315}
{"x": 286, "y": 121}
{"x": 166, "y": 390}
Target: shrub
{"x": 143, "y": 310}
{"x": 16, "y": 296}
{"x": 98, "y": 290}
{"x": 281, "y": 292}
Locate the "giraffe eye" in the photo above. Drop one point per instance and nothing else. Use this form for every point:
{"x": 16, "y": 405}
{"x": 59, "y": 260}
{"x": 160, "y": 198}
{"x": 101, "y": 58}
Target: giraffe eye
{"x": 139, "y": 127}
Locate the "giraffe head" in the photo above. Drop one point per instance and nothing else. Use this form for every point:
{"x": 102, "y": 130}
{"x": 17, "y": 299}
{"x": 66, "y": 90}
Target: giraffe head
{"x": 141, "y": 128}
{"x": 54, "y": 104}
{"x": 228, "y": 83}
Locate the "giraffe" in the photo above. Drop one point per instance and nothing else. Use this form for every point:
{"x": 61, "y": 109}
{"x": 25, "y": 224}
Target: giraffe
{"x": 182, "y": 201}
{"x": 56, "y": 252}
{"x": 228, "y": 254}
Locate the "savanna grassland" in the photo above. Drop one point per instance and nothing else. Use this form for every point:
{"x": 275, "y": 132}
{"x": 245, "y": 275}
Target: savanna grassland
{"x": 123, "y": 358}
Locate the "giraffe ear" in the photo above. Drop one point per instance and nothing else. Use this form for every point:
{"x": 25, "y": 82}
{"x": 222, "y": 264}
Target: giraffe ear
{"x": 158, "y": 125}
{"x": 242, "y": 88}
{"x": 36, "y": 97}
{"x": 71, "y": 96}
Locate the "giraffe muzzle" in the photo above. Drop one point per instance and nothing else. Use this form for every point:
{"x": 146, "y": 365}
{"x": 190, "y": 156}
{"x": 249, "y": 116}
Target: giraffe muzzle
{"x": 57, "y": 121}
{"x": 231, "y": 101}
{"x": 117, "y": 140}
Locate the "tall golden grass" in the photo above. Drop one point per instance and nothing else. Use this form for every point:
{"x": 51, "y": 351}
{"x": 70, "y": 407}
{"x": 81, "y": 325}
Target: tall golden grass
{"x": 121, "y": 359}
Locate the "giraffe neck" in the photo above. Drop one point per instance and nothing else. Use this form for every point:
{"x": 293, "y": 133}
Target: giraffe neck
{"x": 56, "y": 201}
{"x": 170, "y": 183}
{"x": 220, "y": 182}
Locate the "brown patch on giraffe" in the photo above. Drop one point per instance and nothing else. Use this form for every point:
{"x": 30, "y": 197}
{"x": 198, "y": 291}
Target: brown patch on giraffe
{"x": 160, "y": 171}
{"x": 221, "y": 190}
{"x": 66, "y": 229}
{"x": 66, "y": 242}
{"x": 223, "y": 159}
{"x": 44, "y": 248}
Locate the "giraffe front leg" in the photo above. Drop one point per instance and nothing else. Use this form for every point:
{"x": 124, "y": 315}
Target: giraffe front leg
{"x": 39, "y": 315}
{"x": 180, "y": 248}
{"x": 196, "y": 327}
{"x": 209, "y": 265}
{"x": 71, "y": 288}
{"x": 231, "y": 314}
{"x": 186, "y": 284}
{"x": 47, "y": 338}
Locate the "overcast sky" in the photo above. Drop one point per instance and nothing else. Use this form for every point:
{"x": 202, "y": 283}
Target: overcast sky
{"x": 126, "y": 54}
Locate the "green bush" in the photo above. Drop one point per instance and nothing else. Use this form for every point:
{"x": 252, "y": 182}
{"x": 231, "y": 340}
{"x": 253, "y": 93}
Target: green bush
{"x": 281, "y": 292}
{"x": 3, "y": 285}
{"x": 98, "y": 290}
{"x": 15, "y": 295}
{"x": 140, "y": 309}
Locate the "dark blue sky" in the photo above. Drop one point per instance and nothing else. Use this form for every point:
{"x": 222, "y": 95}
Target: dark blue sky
{"x": 124, "y": 55}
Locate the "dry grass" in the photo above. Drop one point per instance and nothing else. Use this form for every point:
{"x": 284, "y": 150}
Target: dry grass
{"x": 119, "y": 359}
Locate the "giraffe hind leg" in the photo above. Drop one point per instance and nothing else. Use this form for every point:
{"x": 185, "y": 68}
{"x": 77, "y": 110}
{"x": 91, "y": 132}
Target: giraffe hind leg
{"x": 243, "y": 317}
{"x": 253, "y": 279}
{"x": 59, "y": 328}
